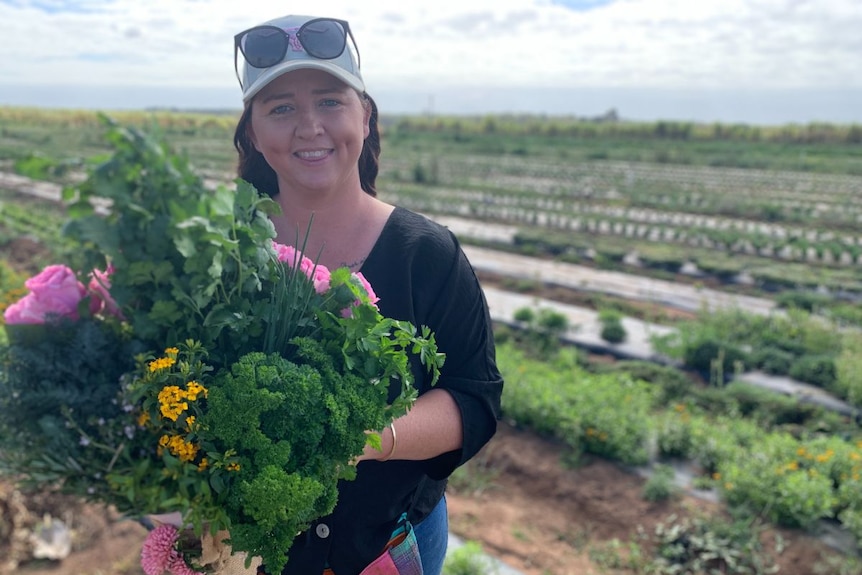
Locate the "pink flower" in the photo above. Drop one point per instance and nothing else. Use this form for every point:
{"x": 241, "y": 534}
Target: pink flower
{"x": 367, "y": 286}
{"x": 54, "y": 291}
{"x": 318, "y": 274}
{"x": 320, "y": 278}
{"x": 158, "y": 551}
{"x": 286, "y": 254}
{"x": 100, "y": 298}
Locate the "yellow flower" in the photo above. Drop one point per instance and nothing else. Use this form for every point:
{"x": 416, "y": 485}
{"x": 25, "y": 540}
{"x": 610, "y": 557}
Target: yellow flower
{"x": 203, "y": 464}
{"x": 161, "y": 363}
{"x": 194, "y": 390}
{"x": 190, "y": 420}
{"x": 824, "y": 457}
{"x": 183, "y": 449}
{"x": 172, "y": 352}
{"x": 171, "y": 403}
{"x": 143, "y": 418}
{"x": 232, "y": 467}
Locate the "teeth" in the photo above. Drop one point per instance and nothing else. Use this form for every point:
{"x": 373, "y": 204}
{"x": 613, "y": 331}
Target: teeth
{"x": 312, "y": 155}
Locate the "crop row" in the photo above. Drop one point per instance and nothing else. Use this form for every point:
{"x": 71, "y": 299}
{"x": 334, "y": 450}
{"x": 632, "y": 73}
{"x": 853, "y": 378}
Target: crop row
{"x": 18, "y": 220}
{"x": 795, "y": 480}
{"x": 803, "y": 199}
{"x": 735, "y": 236}
{"x": 799, "y": 185}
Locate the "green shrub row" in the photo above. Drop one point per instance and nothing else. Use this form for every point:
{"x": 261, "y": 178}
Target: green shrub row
{"x": 761, "y": 468}
{"x": 602, "y": 414}
{"x": 794, "y": 343}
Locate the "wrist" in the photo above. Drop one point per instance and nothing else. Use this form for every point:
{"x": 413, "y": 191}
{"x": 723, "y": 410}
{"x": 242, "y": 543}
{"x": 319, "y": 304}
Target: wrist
{"x": 393, "y": 443}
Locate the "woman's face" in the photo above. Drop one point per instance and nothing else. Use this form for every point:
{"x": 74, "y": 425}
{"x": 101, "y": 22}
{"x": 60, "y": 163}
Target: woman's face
{"x": 310, "y": 127}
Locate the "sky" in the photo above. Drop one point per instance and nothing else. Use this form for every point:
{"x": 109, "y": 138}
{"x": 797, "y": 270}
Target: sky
{"x": 733, "y": 61}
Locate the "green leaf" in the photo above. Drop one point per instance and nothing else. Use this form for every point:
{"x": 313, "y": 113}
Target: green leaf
{"x": 186, "y": 245}
{"x": 164, "y": 312}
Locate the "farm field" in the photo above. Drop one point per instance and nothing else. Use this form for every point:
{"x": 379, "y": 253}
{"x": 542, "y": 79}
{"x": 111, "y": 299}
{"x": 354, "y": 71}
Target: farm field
{"x": 771, "y": 214}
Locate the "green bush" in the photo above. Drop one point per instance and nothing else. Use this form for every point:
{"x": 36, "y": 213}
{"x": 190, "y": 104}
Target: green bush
{"x": 35, "y": 166}
{"x": 606, "y": 414}
{"x": 674, "y": 438}
{"x": 804, "y": 300}
{"x": 674, "y": 383}
{"x": 781, "y": 341}
{"x": 552, "y": 322}
{"x": 525, "y": 315}
{"x": 612, "y": 326}
{"x": 715, "y": 441}
{"x": 773, "y": 479}
{"x": 846, "y": 314}
{"x": 715, "y": 401}
{"x": 817, "y": 370}
{"x": 768, "y": 407}
{"x": 541, "y": 330}
{"x": 468, "y": 560}
{"x": 772, "y": 360}
{"x": 848, "y": 370}
{"x": 660, "y": 485}
{"x": 703, "y": 354}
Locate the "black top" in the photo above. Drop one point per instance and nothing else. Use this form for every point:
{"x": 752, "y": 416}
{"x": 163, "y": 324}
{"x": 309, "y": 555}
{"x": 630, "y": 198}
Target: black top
{"x": 421, "y": 275}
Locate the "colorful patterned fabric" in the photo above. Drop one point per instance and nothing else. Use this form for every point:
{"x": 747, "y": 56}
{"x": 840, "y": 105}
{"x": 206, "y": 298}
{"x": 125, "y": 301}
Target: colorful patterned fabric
{"x": 400, "y": 557}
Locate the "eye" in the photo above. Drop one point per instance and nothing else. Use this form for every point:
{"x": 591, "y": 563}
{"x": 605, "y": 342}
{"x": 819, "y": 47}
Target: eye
{"x": 281, "y": 109}
{"x": 329, "y": 103}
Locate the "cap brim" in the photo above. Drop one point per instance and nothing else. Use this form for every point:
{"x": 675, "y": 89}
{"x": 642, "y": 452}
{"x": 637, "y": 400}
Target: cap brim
{"x": 284, "y": 67}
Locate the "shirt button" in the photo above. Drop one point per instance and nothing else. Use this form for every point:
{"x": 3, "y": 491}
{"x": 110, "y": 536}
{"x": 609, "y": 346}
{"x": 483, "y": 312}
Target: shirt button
{"x": 322, "y": 530}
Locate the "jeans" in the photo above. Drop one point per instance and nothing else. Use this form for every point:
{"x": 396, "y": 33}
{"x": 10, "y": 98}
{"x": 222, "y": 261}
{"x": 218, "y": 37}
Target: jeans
{"x": 432, "y": 537}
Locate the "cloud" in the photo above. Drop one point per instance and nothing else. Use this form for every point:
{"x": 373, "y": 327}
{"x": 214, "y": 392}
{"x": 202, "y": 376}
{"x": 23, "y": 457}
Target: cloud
{"x": 447, "y": 44}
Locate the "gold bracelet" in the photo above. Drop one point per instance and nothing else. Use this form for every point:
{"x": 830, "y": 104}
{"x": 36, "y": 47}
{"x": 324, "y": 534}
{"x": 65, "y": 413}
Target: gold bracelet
{"x": 394, "y": 443}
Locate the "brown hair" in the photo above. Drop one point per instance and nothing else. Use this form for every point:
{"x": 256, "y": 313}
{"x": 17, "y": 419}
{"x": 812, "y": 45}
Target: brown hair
{"x": 253, "y": 168}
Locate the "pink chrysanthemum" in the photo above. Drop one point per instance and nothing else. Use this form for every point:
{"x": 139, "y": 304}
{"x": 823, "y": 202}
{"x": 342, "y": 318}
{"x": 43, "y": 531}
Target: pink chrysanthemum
{"x": 158, "y": 551}
{"x": 178, "y": 566}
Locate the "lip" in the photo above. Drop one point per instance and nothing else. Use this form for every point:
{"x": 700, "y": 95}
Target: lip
{"x": 313, "y": 156}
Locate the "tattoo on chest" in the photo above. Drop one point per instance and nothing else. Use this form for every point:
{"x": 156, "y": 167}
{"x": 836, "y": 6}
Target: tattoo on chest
{"x": 353, "y": 265}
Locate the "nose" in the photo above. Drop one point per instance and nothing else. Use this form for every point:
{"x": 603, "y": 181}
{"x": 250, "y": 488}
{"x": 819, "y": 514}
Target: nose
{"x": 308, "y": 124}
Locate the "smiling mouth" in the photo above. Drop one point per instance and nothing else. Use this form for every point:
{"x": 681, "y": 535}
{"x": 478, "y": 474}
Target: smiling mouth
{"x": 312, "y": 155}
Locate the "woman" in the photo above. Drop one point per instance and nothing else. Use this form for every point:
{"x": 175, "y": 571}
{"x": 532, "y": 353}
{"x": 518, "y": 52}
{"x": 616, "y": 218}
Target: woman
{"x": 309, "y": 138}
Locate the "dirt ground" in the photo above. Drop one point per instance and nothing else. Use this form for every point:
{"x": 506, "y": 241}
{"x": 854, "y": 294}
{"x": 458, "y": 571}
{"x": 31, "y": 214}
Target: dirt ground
{"x": 522, "y": 505}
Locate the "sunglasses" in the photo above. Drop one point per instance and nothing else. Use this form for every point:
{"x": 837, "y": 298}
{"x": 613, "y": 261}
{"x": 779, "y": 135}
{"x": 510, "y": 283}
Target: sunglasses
{"x": 265, "y": 46}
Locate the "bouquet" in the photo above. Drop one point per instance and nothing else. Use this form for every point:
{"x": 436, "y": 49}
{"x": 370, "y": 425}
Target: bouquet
{"x": 184, "y": 362}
